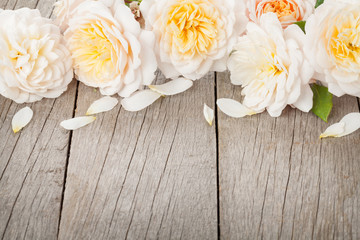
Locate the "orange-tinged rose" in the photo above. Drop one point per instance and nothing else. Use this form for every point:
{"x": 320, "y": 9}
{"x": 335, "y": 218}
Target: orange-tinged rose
{"x": 287, "y": 11}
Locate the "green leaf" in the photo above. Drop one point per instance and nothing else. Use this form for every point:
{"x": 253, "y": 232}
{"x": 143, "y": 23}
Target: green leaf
{"x": 301, "y": 24}
{"x": 323, "y": 103}
{"x": 318, "y": 3}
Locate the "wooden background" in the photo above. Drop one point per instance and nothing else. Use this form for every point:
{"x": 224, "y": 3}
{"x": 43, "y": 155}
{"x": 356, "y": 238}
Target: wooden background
{"x": 163, "y": 173}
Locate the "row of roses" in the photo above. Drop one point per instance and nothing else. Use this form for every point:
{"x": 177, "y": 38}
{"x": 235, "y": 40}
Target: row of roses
{"x": 267, "y": 54}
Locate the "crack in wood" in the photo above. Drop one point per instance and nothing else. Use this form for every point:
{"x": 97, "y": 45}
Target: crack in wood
{"x": 288, "y": 179}
{"x": 67, "y": 160}
{"x": 217, "y": 158}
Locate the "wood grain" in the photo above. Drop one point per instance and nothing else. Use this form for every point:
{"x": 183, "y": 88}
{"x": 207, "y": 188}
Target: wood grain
{"x": 32, "y": 162}
{"x": 279, "y": 181}
{"x": 153, "y": 174}
{"x": 150, "y": 174}
{"x": 32, "y": 166}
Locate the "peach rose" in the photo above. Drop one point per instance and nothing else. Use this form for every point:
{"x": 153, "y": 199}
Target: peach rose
{"x": 287, "y": 11}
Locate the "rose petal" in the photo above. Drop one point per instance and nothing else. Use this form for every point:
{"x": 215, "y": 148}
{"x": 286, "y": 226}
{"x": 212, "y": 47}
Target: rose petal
{"x": 75, "y": 123}
{"x": 334, "y": 130}
{"x": 234, "y": 108}
{"x": 21, "y": 119}
{"x": 140, "y": 100}
{"x": 209, "y": 114}
{"x": 173, "y": 87}
{"x": 102, "y": 105}
{"x": 347, "y": 125}
{"x": 352, "y": 123}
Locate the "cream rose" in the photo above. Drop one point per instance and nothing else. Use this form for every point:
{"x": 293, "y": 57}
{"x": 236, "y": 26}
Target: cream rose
{"x": 109, "y": 49}
{"x": 193, "y": 37}
{"x": 34, "y": 60}
{"x": 65, "y": 9}
{"x": 333, "y": 45}
{"x": 288, "y": 11}
{"x": 269, "y": 64}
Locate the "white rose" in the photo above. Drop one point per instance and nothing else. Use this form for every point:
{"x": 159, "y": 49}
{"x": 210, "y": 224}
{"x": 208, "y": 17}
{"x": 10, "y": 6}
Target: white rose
{"x": 109, "y": 49}
{"x": 193, "y": 37}
{"x": 288, "y": 11}
{"x": 64, "y": 10}
{"x": 269, "y": 64}
{"x": 333, "y": 46}
{"x": 34, "y": 62}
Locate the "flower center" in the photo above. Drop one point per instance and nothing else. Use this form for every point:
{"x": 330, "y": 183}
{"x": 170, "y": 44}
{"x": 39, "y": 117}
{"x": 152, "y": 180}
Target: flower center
{"x": 193, "y": 26}
{"x": 344, "y": 43}
{"x": 31, "y": 55}
{"x": 286, "y": 10}
{"x": 93, "y": 52}
{"x": 269, "y": 69}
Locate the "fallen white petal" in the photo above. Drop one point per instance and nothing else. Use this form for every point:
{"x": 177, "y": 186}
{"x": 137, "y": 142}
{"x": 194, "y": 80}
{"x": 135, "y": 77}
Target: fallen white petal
{"x": 140, "y": 100}
{"x": 21, "y": 119}
{"x": 334, "y": 130}
{"x": 75, "y": 123}
{"x": 173, "y": 87}
{"x": 102, "y": 105}
{"x": 350, "y": 123}
{"x": 234, "y": 108}
{"x": 209, "y": 114}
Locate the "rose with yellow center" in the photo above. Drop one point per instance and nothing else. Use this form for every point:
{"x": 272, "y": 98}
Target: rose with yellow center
{"x": 287, "y": 11}
{"x": 109, "y": 49}
{"x": 333, "y": 45}
{"x": 269, "y": 64}
{"x": 193, "y": 37}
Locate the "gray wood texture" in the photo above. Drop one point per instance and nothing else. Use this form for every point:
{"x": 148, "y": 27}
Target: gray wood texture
{"x": 163, "y": 173}
{"x": 33, "y": 162}
{"x": 150, "y": 174}
{"x": 278, "y": 180}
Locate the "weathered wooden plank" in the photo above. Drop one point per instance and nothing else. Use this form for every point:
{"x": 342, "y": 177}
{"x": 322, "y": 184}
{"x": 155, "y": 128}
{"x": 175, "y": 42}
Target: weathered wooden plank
{"x": 32, "y": 163}
{"x": 44, "y": 6}
{"x": 278, "y": 180}
{"x": 32, "y": 166}
{"x": 150, "y": 174}
{"x": 16, "y": 4}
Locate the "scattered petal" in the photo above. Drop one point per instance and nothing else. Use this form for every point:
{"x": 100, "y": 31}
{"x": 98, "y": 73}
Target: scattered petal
{"x": 334, "y": 130}
{"x": 352, "y": 123}
{"x": 102, "y": 105}
{"x": 75, "y": 123}
{"x": 348, "y": 124}
{"x": 140, "y": 100}
{"x": 209, "y": 114}
{"x": 21, "y": 119}
{"x": 173, "y": 87}
{"x": 234, "y": 108}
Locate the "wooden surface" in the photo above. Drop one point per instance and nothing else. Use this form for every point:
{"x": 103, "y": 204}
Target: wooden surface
{"x": 278, "y": 180}
{"x": 163, "y": 173}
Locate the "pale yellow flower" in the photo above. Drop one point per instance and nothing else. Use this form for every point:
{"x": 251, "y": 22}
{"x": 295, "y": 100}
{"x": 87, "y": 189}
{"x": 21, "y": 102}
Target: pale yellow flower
{"x": 35, "y": 62}
{"x": 269, "y": 64}
{"x": 193, "y": 37}
{"x": 109, "y": 49}
{"x": 65, "y": 9}
{"x": 333, "y": 45}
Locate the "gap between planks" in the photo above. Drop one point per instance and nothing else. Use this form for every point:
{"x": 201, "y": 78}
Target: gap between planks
{"x": 217, "y": 156}
{"x": 67, "y": 158}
